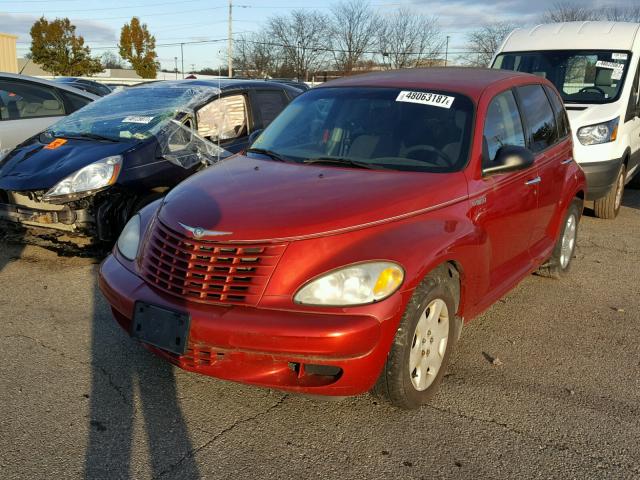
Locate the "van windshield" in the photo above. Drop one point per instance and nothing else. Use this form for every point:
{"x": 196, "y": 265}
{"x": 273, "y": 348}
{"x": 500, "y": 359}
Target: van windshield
{"x": 581, "y": 76}
{"x": 386, "y": 128}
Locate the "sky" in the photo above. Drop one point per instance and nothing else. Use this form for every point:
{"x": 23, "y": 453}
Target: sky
{"x": 195, "y": 20}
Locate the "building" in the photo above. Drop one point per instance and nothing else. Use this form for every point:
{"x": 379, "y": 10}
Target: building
{"x": 109, "y": 75}
{"x": 8, "y": 56}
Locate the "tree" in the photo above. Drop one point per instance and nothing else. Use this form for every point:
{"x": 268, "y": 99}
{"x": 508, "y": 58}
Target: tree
{"x": 56, "y": 47}
{"x": 256, "y": 56}
{"x": 111, "y": 60}
{"x": 567, "y": 12}
{"x": 354, "y": 26}
{"x": 303, "y": 37}
{"x": 137, "y": 46}
{"x": 484, "y": 42}
{"x": 407, "y": 39}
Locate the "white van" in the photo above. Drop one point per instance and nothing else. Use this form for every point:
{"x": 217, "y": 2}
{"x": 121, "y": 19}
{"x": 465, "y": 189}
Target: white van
{"x": 595, "y": 67}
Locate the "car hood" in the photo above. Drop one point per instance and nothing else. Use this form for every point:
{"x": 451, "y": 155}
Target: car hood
{"x": 581, "y": 115}
{"x": 248, "y": 199}
{"x": 33, "y": 167}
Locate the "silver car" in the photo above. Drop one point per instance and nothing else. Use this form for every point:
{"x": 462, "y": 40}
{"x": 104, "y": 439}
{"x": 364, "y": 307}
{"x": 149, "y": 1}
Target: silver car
{"x": 29, "y": 105}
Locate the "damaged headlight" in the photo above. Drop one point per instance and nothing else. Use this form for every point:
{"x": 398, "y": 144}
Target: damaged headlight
{"x": 93, "y": 177}
{"x": 130, "y": 239}
{"x": 357, "y": 284}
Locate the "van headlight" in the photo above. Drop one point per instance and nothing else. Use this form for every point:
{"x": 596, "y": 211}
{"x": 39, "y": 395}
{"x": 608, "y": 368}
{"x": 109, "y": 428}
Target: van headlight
{"x": 93, "y": 177}
{"x": 357, "y": 284}
{"x": 600, "y": 133}
{"x": 129, "y": 239}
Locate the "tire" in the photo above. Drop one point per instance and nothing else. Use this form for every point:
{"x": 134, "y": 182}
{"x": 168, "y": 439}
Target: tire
{"x": 560, "y": 261}
{"x": 400, "y": 383}
{"x": 608, "y": 206}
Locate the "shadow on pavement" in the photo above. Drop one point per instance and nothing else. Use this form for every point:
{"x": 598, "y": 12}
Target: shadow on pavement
{"x": 131, "y": 391}
{"x": 631, "y": 197}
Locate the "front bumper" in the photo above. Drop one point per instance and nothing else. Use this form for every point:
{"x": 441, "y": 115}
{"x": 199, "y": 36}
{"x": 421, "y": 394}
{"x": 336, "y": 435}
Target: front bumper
{"x": 63, "y": 219}
{"x": 307, "y": 352}
{"x": 601, "y": 177}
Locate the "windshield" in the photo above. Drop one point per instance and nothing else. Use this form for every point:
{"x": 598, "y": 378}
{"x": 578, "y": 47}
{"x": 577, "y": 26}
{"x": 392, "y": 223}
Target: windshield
{"x": 414, "y": 130}
{"x": 581, "y": 76}
{"x": 134, "y": 113}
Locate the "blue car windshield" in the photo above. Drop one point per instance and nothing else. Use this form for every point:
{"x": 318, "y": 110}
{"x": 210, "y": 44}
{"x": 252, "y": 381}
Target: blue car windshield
{"x": 385, "y": 128}
{"x": 132, "y": 114}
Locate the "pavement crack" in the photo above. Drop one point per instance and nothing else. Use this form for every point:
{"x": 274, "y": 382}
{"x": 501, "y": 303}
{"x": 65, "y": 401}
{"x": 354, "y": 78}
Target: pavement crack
{"x": 241, "y": 421}
{"x": 545, "y": 443}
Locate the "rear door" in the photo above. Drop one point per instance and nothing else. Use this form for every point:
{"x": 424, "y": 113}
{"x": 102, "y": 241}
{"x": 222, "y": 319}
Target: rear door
{"x": 266, "y": 105}
{"x": 509, "y": 203}
{"x": 26, "y": 108}
{"x": 552, "y": 156}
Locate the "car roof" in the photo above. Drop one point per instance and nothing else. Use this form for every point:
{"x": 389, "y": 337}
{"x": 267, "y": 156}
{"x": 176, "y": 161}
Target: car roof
{"x": 468, "y": 81}
{"x": 573, "y": 36}
{"x": 42, "y": 81}
{"x": 222, "y": 83}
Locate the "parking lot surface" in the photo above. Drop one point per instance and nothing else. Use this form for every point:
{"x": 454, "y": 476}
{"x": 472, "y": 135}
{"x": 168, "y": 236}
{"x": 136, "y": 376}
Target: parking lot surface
{"x": 545, "y": 384}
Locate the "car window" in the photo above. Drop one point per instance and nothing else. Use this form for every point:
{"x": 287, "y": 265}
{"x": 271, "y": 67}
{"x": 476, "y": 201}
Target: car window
{"x": 224, "y": 118}
{"x": 634, "y": 98}
{"x": 539, "y": 117}
{"x": 268, "y": 104}
{"x": 391, "y": 128}
{"x": 562, "y": 121}
{"x": 22, "y": 100}
{"x": 73, "y": 102}
{"x": 503, "y": 125}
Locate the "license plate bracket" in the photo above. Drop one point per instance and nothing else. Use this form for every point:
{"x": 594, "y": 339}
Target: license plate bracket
{"x": 161, "y": 327}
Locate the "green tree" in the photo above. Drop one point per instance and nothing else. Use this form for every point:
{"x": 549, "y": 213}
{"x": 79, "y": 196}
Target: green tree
{"x": 56, "y": 47}
{"x": 138, "y": 47}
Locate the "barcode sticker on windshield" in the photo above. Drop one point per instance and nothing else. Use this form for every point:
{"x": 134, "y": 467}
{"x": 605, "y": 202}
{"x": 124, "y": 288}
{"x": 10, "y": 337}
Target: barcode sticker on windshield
{"x": 137, "y": 119}
{"x": 610, "y": 65}
{"x": 619, "y": 56}
{"x": 426, "y": 98}
{"x": 616, "y": 74}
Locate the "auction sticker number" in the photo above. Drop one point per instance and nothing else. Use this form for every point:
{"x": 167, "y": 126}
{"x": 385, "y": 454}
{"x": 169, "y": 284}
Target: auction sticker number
{"x": 425, "y": 98}
{"x": 137, "y": 119}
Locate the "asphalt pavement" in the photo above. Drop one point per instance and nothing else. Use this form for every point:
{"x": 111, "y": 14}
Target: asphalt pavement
{"x": 545, "y": 384}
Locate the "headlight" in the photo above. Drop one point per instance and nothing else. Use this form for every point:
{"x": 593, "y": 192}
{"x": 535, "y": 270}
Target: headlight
{"x": 353, "y": 285}
{"x": 95, "y": 176}
{"x": 600, "y": 133}
{"x": 130, "y": 239}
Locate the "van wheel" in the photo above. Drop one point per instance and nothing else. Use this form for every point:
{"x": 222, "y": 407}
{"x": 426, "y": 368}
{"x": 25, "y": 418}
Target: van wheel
{"x": 560, "y": 260}
{"x": 608, "y": 206}
{"x": 422, "y": 345}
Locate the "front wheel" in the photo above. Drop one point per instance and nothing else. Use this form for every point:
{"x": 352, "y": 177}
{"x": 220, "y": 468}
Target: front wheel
{"x": 608, "y": 206}
{"x": 423, "y": 344}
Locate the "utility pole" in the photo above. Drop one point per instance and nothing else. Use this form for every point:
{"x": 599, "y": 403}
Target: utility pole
{"x": 182, "y": 59}
{"x": 230, "y": 41}
{"x": 193, "y": 68}
{"x": 176, "y": 69}
{"x": 446, "y": 52}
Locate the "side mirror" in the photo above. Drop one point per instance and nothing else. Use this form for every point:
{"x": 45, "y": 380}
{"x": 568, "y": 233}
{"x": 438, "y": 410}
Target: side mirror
{"x": 254, "y": 136}
{"x": 509, "y": 158}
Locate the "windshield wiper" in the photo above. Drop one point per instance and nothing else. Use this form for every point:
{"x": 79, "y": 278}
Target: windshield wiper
{"x": 344, "y": 161}
{"x": 268, "y": 153}
{"x": 88, "y": 136}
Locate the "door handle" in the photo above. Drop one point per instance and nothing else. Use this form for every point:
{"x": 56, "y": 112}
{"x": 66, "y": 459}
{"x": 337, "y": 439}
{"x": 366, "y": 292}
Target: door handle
{"x": 533, "y": 181}
{"x": 568, "y": 160}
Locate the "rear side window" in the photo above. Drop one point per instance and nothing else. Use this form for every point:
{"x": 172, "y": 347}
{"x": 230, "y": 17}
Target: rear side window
{"x": 503, "y": 125}
{"x": 73, "y": 102}
{"x": 269, "y": 104}
{"x": 21, "y": 100}
{"x": 562, "y": 121}
{"x": 539, "y": 117}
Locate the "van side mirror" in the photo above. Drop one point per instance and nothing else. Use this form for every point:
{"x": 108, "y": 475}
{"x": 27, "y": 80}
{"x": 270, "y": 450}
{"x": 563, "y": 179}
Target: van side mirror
{"x": 254, "y": 136}
{"x": 509, "y": 158}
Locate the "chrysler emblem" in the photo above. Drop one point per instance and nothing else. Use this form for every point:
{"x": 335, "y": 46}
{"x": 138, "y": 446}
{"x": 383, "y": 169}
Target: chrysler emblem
{"x": 199, "y": 232}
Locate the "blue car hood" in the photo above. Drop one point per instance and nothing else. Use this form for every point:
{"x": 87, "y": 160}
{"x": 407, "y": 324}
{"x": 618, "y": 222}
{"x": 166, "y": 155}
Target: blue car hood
{"x": 33, "y": 167}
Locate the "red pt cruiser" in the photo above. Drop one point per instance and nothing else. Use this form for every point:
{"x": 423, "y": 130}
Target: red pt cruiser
{"x": 344, "y": 251}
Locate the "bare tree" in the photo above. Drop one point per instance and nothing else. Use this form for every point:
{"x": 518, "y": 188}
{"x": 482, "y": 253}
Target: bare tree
{"x": 303, "y": 36}
{"x": 354, "y": 26}
{"x": 567, "y": 12}
{"x": 620, "y": 14}
{"x": 256, "y": 55}
{"x": 484, "y": 42}
{"x": 407, "y": 39}
{"x": 111, "y": 60}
